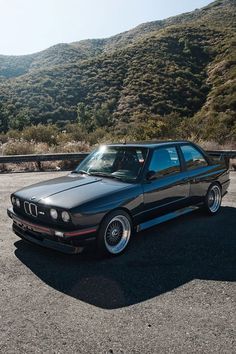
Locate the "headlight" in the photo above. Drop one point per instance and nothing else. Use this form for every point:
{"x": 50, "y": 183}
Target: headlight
{"x": 13, "y": 200}
{"x": 17, "y": 202}
{"x": 54, "y": 214}
{"x": 65, "y": 216}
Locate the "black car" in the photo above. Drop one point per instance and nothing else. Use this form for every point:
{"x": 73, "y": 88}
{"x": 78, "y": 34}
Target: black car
{"x": 119, "y": 189}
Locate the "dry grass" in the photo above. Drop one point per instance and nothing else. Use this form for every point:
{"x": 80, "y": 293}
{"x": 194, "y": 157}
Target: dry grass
{"x": 212, "y": 145}
{"x": 21, "y": 147}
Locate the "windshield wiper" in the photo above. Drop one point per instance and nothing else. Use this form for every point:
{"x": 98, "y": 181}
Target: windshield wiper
{"x": 102, "y": 174}
{"x": 81, "y": 172}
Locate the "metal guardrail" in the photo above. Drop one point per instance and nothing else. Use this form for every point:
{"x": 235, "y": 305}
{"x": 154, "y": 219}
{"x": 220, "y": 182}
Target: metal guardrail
{"x": 42, "y": 157}
{"x": 38, "y": 158}
{"x": 230, "y": 154}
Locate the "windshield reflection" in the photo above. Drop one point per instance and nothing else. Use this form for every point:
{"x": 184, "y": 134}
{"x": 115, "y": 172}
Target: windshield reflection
{"x": 120, "y": 162}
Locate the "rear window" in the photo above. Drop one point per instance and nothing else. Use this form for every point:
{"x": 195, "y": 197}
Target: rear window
{"x": 193, "y": 158}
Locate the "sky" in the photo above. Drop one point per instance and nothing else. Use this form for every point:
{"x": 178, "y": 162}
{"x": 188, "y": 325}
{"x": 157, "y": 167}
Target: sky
{"x": 28, "y": 26}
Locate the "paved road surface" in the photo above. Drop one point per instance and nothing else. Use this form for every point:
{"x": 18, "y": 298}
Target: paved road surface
{"x": 173, "y": 291}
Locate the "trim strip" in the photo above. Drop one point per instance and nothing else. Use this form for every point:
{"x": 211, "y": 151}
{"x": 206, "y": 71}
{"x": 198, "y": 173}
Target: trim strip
{"x": 166, "y": 217}
{"x": 48, "y": 230}
{"x": 33, "y": 226}
{"x": 78, "y": 233}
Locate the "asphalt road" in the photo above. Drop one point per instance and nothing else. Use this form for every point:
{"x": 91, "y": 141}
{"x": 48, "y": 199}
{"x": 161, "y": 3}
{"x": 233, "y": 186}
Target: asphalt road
{"x": 173, "y": 291}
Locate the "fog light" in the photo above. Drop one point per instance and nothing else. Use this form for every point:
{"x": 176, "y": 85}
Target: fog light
{"x": 59, "y": 234}
{"x": 65, "y": 216}
{"x": 54, "y": 214}
{"x": 17, "y": 202}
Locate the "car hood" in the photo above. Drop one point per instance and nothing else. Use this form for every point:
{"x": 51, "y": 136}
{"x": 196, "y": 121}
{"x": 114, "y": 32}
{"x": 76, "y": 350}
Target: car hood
{"x": 71, "y": 190}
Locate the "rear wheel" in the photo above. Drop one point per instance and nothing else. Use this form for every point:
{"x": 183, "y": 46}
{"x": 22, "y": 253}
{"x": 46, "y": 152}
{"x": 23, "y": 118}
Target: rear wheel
{"x": 114, "y": 233}
{"x": 213, "y": 199}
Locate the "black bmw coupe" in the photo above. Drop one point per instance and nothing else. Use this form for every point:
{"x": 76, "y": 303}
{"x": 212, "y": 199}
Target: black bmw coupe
{"x": 119, "y": 189}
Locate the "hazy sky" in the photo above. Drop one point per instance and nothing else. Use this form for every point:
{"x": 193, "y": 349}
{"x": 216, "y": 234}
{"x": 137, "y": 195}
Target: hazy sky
{"x": 28, "y": 26}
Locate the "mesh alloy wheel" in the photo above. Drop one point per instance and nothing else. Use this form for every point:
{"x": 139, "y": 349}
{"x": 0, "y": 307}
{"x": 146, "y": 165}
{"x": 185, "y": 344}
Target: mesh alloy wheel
{"x": 114, "y": 233}
{"x": 117, "y": 234}
{"x": 214, "y": 199}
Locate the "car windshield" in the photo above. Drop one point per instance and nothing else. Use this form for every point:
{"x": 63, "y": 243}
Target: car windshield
{"x": 120, "y": 162}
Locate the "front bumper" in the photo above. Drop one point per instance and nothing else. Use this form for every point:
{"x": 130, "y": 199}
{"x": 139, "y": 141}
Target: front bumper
{"x": 70, "y": 242}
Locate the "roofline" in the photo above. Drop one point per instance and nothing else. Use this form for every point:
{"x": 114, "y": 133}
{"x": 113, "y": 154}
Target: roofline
{"x": 151, "y": 144}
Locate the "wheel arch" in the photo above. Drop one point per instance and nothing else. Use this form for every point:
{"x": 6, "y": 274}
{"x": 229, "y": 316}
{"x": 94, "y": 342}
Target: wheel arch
{"x": 212, "y": 184}
{"x": 127, "y": 211}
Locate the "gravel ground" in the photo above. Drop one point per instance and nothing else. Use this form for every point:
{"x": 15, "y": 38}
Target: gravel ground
{"x": 172, "y": 291}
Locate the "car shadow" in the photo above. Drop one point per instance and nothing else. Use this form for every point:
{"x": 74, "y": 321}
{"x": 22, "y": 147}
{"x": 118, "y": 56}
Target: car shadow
{"x": 159, "y": 260}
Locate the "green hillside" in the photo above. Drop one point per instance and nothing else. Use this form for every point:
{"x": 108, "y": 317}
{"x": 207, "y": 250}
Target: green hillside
{"x": 172, "y": 78}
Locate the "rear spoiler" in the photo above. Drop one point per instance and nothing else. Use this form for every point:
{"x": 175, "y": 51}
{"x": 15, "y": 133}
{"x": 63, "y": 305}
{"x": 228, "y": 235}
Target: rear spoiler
{"x": 222, "y": 155}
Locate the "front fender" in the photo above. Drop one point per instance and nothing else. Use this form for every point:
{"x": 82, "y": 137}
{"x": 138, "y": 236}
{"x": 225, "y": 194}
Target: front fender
{"x": 92, "y": 212}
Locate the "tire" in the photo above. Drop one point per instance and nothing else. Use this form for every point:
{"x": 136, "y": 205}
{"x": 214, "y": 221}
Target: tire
{"x": 213, "y": 199}
{"x": 114, "y": 233}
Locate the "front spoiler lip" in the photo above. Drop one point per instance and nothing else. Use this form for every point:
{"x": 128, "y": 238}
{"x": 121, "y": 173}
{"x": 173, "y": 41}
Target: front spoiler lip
{"x": 55, "y": 245}
{"x": 46, "y": 230}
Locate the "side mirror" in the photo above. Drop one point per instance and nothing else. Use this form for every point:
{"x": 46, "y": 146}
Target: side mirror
{"x": 151, "y": 175}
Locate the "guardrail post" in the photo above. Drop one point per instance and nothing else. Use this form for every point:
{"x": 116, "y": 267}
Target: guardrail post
{"x": 38, "y": 163}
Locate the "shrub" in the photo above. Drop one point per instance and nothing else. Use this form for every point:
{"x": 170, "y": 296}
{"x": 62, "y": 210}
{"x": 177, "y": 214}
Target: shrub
{"x": 3, "y": 138}
{"x": 97, "y": 136}
{"x": 73, "y": 146}
{"x": 73, "y": 132}
{"x": 41, "y": 133}
{"x": 19, "y": 147}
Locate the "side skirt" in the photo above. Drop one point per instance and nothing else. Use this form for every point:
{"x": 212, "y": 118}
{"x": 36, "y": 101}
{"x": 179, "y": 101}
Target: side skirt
{"x": 166, "y": 217}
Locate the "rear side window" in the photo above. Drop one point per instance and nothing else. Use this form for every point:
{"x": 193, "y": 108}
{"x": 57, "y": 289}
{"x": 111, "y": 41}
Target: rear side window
{"x": 193, "y": 157}
{"x": 165, "y": 161}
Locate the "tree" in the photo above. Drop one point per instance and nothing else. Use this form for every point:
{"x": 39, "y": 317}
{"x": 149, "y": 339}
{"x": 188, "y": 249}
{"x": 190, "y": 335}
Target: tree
{"x": 102, "y": 115}
{"x": 84, "y": 117}
{"x": 20, "y": 121}
{"x": 3, "y": 120}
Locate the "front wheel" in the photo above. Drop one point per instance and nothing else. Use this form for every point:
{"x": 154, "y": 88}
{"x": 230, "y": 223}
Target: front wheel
{"x": 213, "y": 199}
{"x": 114, "y": 233}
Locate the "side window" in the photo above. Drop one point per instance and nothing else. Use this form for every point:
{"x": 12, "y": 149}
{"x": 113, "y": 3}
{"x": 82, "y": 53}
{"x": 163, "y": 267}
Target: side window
{"x": 193, "y": 157}
{"x": 165, "y": 161}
